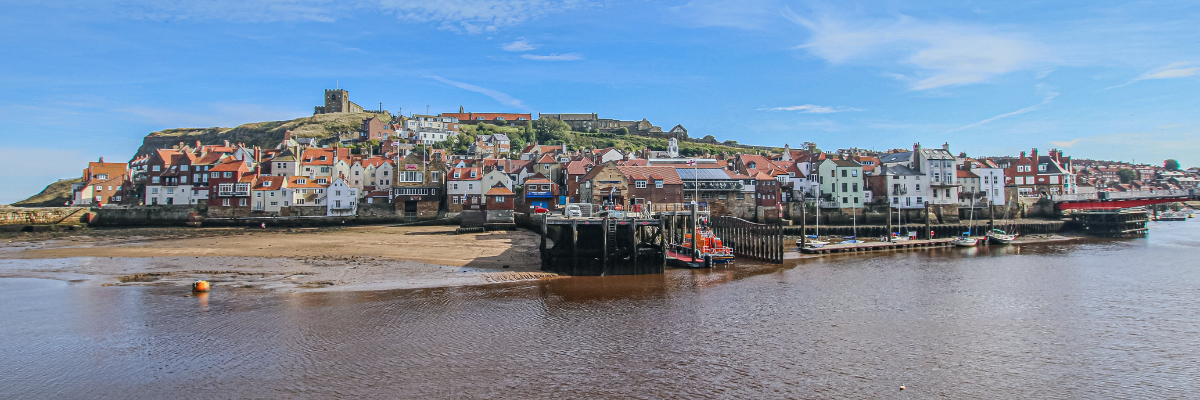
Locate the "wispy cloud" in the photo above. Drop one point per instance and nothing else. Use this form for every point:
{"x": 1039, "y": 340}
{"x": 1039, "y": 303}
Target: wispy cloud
{"x": 470, "y": 16}
{"x": 1066, "y": 144}
{"x": 812, "y": 109}
{"x": 942, "y": 54}
{"x": 1174, "y": 70}
{"x": 553, "y": 57}
{"x": 1049, "y": 97}
{"x": 501, "y": 97}
{"x": 519, "y": 45}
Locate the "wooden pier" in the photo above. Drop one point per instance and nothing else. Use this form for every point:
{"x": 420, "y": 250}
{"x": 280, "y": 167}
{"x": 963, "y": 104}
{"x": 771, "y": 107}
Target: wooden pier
{"x": 761, "y": 242}
{"x": 602, "y": 246}
{"x": 877, "y": 246}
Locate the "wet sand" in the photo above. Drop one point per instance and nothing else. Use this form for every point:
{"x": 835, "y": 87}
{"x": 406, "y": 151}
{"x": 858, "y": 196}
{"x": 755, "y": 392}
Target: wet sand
{"x": 352, "y": 258}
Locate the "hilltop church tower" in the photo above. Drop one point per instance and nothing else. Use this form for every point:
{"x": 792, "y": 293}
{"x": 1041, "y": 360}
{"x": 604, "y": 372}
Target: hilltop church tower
{"x": 673, "y": 148}
{"x": 337, "y": 101}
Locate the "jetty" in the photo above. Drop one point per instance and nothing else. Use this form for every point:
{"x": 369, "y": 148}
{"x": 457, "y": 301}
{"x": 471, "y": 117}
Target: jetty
{"x": 877, "y": 246}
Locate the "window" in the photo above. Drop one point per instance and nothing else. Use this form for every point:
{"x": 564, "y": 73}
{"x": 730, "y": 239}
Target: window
{"x": 228, "y": 174}
{"x": 854, "y": 173}
{"x": 298, "y": 201}
{"x": 843, "y": 173}
{"x": 658, "y": 183}
{"x": 267, "y": 184}
{"x": 337, "y": 193}
{"x": 156, "y": 168}
{"x": 845, "y": 200}
{"x": 918, "y": 187}
{"x": 740, "y": 196}
{"x": 154, "y": 179}
{"x": 499, "y": 199}
{"x": 455, "y": 200}
{"x": 183, "y": 179}
{"x": 919, "y": 200}
{"x": 855, "y": 186}
{"x": 639, "y": 184}
{"x": 856, "y": 200}
{"x": 337, "y": 204}
{"x": 170, "y": 190}
{"x": 154, "y": 190}
{"x": 225, "y": 202}
{"x": 274, "y": 203}
{"x": 845, "y": 187}
{"x": 410, "y": 176}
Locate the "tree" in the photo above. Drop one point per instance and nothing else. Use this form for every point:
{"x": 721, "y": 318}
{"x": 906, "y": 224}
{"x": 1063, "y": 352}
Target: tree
{"x": 1127, "y": 175}
{"x": 623, "y": 131}
{"x": 550, "y": 129}
{"x": 1171, "y": 165}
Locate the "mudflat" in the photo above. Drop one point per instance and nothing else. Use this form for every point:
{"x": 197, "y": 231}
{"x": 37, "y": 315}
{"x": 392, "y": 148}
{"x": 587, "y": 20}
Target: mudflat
{"x": 350, "y": 258}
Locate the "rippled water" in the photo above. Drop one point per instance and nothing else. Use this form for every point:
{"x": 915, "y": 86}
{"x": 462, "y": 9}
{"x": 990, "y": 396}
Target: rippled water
{"x": 1099, "y": 319}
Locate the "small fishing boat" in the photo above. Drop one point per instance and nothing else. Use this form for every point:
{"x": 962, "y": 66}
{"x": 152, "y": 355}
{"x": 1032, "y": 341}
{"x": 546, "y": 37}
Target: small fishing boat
{"x": 965, "y": 241}
{"x": 810, "y": 242}
{"x": 997, "y": 236}
{"x": 1170, "y": 216}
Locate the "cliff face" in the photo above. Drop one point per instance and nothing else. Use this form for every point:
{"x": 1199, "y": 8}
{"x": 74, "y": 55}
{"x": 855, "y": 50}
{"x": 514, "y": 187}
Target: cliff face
{"x": 263, "y": 134}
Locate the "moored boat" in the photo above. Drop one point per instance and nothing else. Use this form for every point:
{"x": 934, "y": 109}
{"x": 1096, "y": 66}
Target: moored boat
{"x": 965, "y": 241}
{"x": 712, "y": 250}
{"x": 997, "y": 236}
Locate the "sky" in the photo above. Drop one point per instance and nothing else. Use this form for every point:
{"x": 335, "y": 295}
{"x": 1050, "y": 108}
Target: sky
{"x": 1098, "y": 79}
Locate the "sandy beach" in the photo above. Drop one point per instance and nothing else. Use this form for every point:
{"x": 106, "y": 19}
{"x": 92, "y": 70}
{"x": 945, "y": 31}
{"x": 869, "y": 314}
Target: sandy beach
{"x": 351, "y": 258}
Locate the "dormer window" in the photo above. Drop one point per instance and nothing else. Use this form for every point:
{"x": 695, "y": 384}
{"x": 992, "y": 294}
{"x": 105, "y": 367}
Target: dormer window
{"x": 301, "y": 181}
{"x": 267, "y": 184}
{"x": 457, "y": 175}
{"x": 472, "y": 174}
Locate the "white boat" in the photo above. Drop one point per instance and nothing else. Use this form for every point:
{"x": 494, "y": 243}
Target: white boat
{"x": 810, "y": 242}
{"x": 997, "y": 236}
{"x": 964, "y": 241}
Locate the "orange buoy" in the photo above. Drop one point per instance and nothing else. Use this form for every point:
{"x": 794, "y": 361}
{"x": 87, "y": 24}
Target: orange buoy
{"x": 201, "y": 287}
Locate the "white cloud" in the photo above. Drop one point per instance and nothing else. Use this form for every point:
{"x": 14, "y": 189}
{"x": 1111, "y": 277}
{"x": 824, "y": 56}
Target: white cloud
{"x": 501, "y": 97}
{"x": 553, "y": 57}
{"x": 812, "y": 109}
{"x": 1049, "y": 97}
{"x": 471, "y": 16}
{"x": 1171, "y": 71}
{"x": 942, "y": 54}
{"x": 1066, "y": 144}
{"x": 519, "y": 45}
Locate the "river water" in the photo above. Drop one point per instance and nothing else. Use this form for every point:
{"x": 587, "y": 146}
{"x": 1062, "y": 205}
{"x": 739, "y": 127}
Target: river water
{"x": 1091, "y": 319}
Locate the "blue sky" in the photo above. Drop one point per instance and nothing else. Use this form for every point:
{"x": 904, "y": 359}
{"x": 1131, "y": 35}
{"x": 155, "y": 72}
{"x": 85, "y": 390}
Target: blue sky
{"x": 1108, "y": 80}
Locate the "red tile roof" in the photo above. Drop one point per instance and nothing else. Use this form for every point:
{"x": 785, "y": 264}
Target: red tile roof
{"x": 668, "y": 174}
{"x": 499, "y": 191}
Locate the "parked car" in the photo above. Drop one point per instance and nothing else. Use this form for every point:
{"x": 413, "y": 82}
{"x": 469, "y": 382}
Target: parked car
{"x": 540, "y": 210}
{"x": 572, "y": 211}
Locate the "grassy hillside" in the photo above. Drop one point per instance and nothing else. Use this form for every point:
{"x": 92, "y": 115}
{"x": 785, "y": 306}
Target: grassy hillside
{"x": 264, "y": 134}
{"x": 52, "y": 196}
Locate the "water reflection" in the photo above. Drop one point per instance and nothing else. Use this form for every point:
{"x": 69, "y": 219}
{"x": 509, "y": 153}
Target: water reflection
{"x": 1098, "y": 318}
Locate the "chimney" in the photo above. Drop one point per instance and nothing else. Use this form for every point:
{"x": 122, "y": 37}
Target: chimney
{"x": 226, "y": 143}
{"x": 946, "y": 146}
{"x": 1034, "y": 155}
{"x": 102, "y": 160}
{"x": 916, "y": 147}
{"x": 1022, "y": 154}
